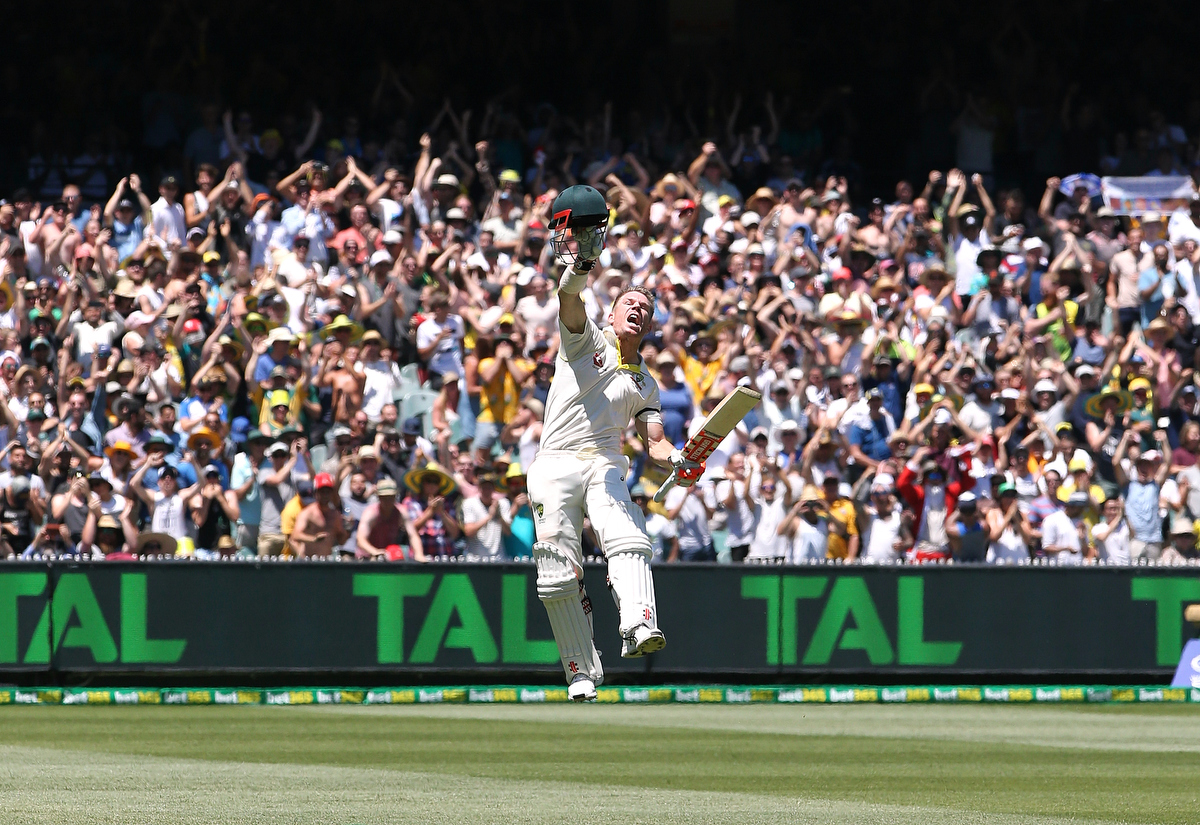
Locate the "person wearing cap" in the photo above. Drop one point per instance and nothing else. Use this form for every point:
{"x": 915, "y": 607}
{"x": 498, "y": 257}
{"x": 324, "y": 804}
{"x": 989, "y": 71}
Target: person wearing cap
{"x": 806, "y": 528}
{"x": 20, "y": 509}
{"x": 1181, "y": 548}
{"x": 844, "y": 541}
{"x": 277, "y": 486}
{"x": 243, "y": 483}
{"x": 167, "y": 215}
{"x": 868, "y": 437}
{"x": 964, "y": 226}
{"x": 1066, "y": 452}
{"x": 889, "y": 530}
{"x": 1142, "y": 493}
{"x": 382, "y": 526}
{"x": 886, "y": 377}
{"x": 924, "y": 487}
{"x": 214, "y": 511}
{"x": 316, "y": 225}
{"x": 90, "y": 328}
{"x": 1063, "y": 533}
{"x": 1009, "y": 532}
{"x": 410, "y": 449}
{"x": 968, "y": 535}
{"x": 486, "y": 518}
{"x": 278, "y": 354}
{"x": 1141, "y": 412}
{"x": 982, "y": 413}
{"x": 319, "y": 527}
{"x": 1079, "y": 478}
{"x": 843, "y": 299}
{"x": 168, "y": 504}
{"x": 126, "y": 214}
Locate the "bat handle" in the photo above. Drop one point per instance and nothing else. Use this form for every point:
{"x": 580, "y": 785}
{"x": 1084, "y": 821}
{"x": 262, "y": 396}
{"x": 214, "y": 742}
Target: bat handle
{"x": 661, "y": 493}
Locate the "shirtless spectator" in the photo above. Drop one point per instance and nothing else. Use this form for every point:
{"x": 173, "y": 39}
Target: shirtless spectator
{"x": 319, "y": 526}
{"x": 337, "y": 373}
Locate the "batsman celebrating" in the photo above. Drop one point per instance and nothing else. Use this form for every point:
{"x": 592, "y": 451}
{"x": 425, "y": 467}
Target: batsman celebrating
{"x": 601, "y": 384}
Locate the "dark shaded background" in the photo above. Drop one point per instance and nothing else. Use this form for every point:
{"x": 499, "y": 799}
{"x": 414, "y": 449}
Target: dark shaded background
{"x": 887, "y": 77}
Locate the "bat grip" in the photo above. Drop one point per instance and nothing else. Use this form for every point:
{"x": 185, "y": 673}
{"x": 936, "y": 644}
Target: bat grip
{"x": 661, "y": 493}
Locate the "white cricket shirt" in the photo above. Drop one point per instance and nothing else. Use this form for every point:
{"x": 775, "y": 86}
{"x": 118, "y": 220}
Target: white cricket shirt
{"x": 593, "y": 397}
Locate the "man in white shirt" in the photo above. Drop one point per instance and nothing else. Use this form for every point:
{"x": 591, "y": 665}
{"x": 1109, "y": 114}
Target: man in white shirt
{"x": 439, "y": 338}
{"x": 967, "y": 247}
{"x": 1060, "y": 531}
{"x": 383, "y": 377}
{"x": 168, "y": 219}
{"x": 808, "y": 526}
{"x": 733, "y": 496}
{"x": 887, "y": 537}
{"x": 659, "y": 528}
{"x": 537, "y": 310}
{"x": 486, "y": 519}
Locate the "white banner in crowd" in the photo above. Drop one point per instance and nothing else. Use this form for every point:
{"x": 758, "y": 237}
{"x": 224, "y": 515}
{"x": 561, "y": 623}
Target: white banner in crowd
{"x": 1133, "y": 196}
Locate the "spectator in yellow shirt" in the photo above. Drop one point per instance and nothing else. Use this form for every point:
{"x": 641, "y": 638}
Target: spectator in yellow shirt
{"x": 500, "y": 379}
{"x": 701, "y": 362}
{"x": 843, "y": 542}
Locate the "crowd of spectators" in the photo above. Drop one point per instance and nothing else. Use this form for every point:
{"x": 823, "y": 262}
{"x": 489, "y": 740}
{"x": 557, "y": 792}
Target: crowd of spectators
{"x": 300, "y": 346}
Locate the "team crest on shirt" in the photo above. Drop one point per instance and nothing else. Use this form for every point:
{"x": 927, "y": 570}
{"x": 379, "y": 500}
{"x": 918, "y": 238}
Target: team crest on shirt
{"x": 639, "y": 380}
{"x": 537, "y": 508}
{"x": 598, "y": 358}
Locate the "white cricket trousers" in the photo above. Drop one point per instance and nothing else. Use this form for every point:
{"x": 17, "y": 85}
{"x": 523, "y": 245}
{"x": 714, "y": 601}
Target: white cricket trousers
{"x": 563, "y": 488}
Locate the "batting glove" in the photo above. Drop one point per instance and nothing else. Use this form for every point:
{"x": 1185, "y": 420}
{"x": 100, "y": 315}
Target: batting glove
{"x": 590, "y": 243}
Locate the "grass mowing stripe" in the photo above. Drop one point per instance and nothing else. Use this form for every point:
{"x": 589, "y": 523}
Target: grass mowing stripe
{"x": 43, "y": 785}
{"x": 967, "y": 776}
{"x": 1163, "y": 728}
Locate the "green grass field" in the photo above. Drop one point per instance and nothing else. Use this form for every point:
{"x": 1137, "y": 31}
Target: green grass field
{"x": 337, "y": 765}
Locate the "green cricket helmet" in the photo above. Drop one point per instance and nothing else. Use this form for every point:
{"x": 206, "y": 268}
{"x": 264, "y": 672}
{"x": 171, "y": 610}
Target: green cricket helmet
{"x": 576, "y": 207}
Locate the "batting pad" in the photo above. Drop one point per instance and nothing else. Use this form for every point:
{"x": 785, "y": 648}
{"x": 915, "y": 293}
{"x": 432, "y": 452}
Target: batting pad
{"x": 633, "y": 589}
{"x": 564, "y": 598}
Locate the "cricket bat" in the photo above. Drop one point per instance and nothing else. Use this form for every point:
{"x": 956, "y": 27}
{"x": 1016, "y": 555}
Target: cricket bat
{"x": 724, "y": 417}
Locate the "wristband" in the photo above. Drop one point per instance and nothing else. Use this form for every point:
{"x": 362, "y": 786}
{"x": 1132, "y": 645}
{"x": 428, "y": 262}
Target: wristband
{"x": 573, "y": 281}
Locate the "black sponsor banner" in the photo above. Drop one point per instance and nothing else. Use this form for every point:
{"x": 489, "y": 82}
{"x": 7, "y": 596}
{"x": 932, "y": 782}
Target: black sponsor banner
{"x": 767, "y": 620}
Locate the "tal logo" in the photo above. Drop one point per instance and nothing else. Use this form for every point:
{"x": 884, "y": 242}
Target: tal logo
{"x": 574, "y": 668}
{"x": 598, "y": 359}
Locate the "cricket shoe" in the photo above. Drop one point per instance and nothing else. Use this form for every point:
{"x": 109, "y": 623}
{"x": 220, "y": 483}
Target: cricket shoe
{"x": 642, "y": 640}
{"x": 582, "y": 689}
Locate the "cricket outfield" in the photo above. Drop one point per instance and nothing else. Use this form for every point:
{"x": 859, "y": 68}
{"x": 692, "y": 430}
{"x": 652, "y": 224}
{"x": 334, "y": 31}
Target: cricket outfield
{"x": 337, "y": 765}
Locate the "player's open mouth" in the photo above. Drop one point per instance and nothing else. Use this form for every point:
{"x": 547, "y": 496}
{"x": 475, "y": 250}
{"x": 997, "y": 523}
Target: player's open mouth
{"x": 633, "y": 320}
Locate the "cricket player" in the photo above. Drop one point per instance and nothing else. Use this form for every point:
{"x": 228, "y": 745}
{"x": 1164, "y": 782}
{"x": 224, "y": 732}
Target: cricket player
{"x": 600, "y": 385}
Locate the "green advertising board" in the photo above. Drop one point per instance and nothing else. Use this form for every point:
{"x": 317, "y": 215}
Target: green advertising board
{"x": 155, "y": 617}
